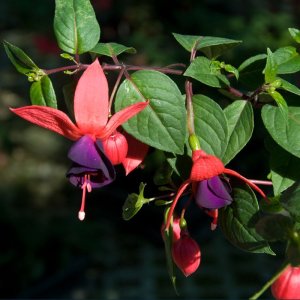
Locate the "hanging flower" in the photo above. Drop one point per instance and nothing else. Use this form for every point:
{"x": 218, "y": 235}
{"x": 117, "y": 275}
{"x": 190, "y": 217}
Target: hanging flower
{"x": 91, "y": 167}
{"x": 205, "y": 168}
{"x": 186, "y": 254}
{"x": 287, "y": 285}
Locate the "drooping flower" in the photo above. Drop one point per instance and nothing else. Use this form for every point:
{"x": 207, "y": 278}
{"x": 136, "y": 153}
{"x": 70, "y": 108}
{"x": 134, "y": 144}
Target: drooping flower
{"x": 287, "y": 285}
{"x": 206, "y": 167}
{"x": 186, "y": 254}
{"x": 90, "y": 168}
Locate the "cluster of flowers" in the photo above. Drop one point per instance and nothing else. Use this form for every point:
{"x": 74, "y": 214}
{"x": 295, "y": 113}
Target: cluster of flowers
{"x": 99, "y": 145}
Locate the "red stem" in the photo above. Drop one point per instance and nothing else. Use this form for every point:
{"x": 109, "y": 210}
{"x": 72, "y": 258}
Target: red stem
{"x": 178, "y": 195}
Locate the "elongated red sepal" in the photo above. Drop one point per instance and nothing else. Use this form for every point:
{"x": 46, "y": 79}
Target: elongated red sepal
{"x": 91, "y": 99}
{"x": 119, "y": 118}
{"x": 49, "y": 118}
{"x": 177, "y": 197}
{"x": 135, "y": 155}
{"x": 247, "y": 181}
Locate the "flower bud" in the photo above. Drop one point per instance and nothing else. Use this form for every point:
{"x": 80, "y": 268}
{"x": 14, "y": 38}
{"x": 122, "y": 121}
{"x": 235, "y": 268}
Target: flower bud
{"x": 116, "y": 148}
{"x": 287, "y": 285}
{"x": 175, "y": 229}
{"x": 186, "y": 254}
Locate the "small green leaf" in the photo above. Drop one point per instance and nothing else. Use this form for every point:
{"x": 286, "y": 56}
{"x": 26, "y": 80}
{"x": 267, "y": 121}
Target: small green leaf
{"x": 290, "y": 200}
{"x": 162, "y": 124}
{"x": 270, "y": 70}
{"x": 240, "y": 121}
{"x": 111, "y": 49}
{"x": 211, "y": 46}
{"x": 284, "y": 132}
{"x": 274, "y": 227}
{"x": 22, "y": 62}
{"x": 282, "y": 105}
{"x": 295, "y": 33}
{"x": 238, "y": 220}
{"x": 42, "y": 93}
{"x": 287, "y": 86}
{"x": 287, "y": 60}
{"x": 210, "y": 125}
{"x": 250, "y": 61}
{"x": 205, "y": 71}
{"x": 75, "y": 26}
{"x": 232, "y": 69}
{"x": 134, "y": 203}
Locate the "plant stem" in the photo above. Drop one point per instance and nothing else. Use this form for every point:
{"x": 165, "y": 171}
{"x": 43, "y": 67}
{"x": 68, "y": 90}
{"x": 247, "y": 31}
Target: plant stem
{"x": 116, "y": 67}
{"x": 112, "y": 95}
{"x": 269, "y": 283}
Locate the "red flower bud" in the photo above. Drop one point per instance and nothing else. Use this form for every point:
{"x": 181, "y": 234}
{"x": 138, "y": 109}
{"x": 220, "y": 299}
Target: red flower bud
{"x": 287, "y": 285}
{"x": 175, "y": 229}
{"x": 186, "y": 254}
{"x": 116, "y": 148}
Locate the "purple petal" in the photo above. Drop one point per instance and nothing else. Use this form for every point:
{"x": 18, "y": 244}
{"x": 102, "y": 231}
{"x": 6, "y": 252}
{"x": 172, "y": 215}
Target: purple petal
{"x": 89, "y": 159}
{"x": 213, "y": 193}
{"x": 97, "y": 177}
{"x": 86, "y": 152}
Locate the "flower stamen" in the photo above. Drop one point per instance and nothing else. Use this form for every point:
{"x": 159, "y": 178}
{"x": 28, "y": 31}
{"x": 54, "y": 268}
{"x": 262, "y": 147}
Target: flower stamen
{"x": 86, "y": 186}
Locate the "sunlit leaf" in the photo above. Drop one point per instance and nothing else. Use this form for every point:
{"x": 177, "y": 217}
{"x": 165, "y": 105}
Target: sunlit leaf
{"x": 75, "y": 26}
{"x": 162, "y": 124}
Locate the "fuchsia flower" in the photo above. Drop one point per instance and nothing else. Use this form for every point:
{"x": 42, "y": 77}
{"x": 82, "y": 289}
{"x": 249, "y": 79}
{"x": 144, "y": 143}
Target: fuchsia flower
{"x": 287, "y": 285}
{"x": 185, "y": 250}
{"x": 209, "y": 189}
{"x": 186, "y": 254}
{"x": 91, "y": 168}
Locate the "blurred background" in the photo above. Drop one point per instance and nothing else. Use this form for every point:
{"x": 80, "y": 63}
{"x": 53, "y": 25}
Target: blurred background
{"x": 45, "y": 251}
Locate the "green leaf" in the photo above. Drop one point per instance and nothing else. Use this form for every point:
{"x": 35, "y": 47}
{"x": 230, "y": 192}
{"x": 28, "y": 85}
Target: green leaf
{"x": 290, "y": 200}
{"x": 111, "y": 49}
{"x": 250, "y": 61}
{"x": 270, "y": 70}
{"x": 238, "y": 220}
{"x": 42, "y": 93}
{"x": 282, "y": 105}
{"x": 232, "y": 69}
{"x": 211, "y": 46}
{"x": 295, "y": 33}
{"x": 210, "y": 125}
{"x": 284, "y": 167}
{"x": 274, "y": 227}
{"x": 284, "y": 132}
{"x": 134, "y": 203}
{"x": 287, "y": 60}
{"x": 22, "y": 62}
{"x": 287, "y": 86}
{"x": 75, "y": 26}
{"x": 204, "y": 70}
{"x": 162, "y": 124}
{"x": 240, "y": 122}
